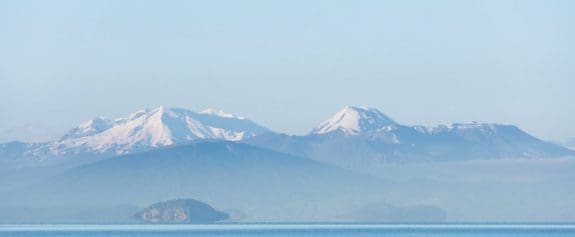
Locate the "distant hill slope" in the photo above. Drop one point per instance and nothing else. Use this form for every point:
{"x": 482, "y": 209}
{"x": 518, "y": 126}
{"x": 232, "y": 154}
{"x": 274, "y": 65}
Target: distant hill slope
{"x": 259, "y": 182}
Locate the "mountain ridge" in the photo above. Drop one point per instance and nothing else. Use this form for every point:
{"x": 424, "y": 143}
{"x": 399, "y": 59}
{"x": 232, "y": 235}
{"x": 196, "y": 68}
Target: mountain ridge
{"x": 361, "y": 138}
{"x": 142, "y": 130}
{"x": 352, "y": 131}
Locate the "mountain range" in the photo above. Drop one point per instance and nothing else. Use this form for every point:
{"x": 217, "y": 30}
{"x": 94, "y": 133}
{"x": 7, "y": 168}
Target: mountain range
{"x": 363, "y": 137}
{"x": 140, "y": 131}
{"x": 354, "y": 137}
{"x": 358, "y": 165}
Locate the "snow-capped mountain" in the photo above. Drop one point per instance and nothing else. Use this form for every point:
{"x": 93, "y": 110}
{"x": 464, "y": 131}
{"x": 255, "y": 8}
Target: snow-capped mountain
{"x": 143, "y": 130}
{"x": 370, "y": 123}
{"x": 361, "y": 137}
{"x": 355, "y": 120}
{"x": 353, "y": 137}
{"x": 158, "y": 127}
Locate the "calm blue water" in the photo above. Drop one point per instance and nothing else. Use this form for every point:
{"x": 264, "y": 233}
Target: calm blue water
{"x": 319, "y": 230}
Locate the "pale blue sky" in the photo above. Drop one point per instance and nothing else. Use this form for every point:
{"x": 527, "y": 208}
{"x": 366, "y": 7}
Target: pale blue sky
{"x": 289, "y": 65}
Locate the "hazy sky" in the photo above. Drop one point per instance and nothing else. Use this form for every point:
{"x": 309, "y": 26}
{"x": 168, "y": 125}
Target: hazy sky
{"x": 289, "y": 65}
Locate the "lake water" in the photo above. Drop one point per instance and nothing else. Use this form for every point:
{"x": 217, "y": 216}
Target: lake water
{"x": 318, "y": 230}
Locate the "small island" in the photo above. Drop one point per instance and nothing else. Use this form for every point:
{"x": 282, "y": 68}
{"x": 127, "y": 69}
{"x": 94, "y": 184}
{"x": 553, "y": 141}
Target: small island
{"x": 180, "y": 211}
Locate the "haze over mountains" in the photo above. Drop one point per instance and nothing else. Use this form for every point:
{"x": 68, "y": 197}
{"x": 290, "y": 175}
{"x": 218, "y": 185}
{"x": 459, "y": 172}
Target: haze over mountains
{"x": 570, "y": 143}
{"x": 226, "y": 174}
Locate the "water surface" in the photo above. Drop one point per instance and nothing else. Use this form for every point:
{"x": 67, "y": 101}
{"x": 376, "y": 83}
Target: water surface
{"x": 318, "y": 230}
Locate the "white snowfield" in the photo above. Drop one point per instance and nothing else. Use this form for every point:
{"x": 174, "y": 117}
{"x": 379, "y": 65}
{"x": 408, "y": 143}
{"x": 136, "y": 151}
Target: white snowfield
{"x": 155, "y": 128}
{"x": 355, "y": 120}
{"x": 362, "y": 120}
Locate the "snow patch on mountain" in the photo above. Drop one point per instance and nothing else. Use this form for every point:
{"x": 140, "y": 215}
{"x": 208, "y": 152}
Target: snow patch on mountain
{"x": 150, "y": 128}
{"x": 353, "y": 120}
{"x": 218, "y": 112}
{"x": 90, "y": 127}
